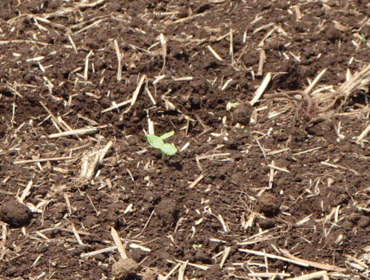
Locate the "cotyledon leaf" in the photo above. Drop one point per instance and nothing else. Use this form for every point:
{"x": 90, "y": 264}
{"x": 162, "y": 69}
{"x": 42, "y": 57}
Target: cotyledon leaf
{"x": 169, "y": 149}
{"x": 155, "y": 141}
{"x": 167, "y": 135}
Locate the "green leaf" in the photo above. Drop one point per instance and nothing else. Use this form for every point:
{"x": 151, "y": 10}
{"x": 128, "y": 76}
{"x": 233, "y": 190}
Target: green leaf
{"x": 363, "y": 38}
{"x": 167, "y": 135}
{"x": 168, "y": 149}
{"x": 155, "y": 141}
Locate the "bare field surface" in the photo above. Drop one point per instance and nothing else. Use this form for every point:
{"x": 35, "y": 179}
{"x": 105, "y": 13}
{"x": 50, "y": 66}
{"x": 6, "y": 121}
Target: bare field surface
{"x": 268, "y": 105}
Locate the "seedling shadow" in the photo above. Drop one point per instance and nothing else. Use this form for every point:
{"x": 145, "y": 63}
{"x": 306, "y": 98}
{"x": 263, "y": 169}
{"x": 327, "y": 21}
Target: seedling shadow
{"x": 170, "y": 162}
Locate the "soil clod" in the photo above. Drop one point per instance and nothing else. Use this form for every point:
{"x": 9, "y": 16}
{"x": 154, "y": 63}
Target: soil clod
{"x": 124, "y": 268}
{"x": 267, "y": 223}
{"x": 167, "y": 211}
{"x": 15, "y": 214}
{"x": 269, "y": 204}
{"x": 242, "y": 114}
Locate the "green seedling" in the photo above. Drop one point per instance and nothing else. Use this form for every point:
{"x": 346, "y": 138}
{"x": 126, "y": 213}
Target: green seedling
{"x": 158, "y": 143}
{"x": 363, "y": 38}
{"x": 231, "y": 105}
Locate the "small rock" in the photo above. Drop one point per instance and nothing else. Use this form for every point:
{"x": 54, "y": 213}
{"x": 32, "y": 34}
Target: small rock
{"x": 124, "y": 268}
{"x": 15, "y": 214}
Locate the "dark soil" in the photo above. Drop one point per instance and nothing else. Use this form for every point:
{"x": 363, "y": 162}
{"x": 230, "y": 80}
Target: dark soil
{"x": 267, "y": 177}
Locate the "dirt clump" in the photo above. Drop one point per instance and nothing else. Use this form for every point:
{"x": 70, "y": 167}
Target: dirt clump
{"x": 268, "y": 204}
{"x": 15, "y": 214}
{"x": 242, "y": 113}
{"x": 214, "y": 272}
{"x": 123, "y": 269}
{"x": 149, "y": 275}
{"x": 167, "y": 210}
{"x": 267, "y": 223}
